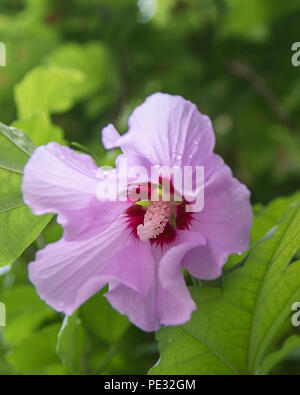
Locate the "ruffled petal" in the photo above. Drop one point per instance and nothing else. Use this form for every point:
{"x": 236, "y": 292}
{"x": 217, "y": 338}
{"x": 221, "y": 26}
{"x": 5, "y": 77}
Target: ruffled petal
{"x": 168, "y": 301}
{"x": 66, "y": 274}
{"x": 166, "y": 130}
{"x": 225, "y": 222}
{"x": 59, "y": 180}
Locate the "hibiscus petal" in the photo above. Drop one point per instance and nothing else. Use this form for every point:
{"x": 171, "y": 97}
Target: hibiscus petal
{"x": 225, "y": 221}
{"x": 66, "y": 274}
{"x": 166, "y": 130}
{"x": 168, "y": 301}
{"x": 85, "y": 223}
{"x": 173, "y": 283}
{"x": 59, "y": 180}
{"x": 110, "y": 136}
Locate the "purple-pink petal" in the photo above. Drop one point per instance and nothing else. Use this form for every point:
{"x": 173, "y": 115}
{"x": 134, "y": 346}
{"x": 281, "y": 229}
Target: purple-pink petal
{"x": 67, "y": 273}
{"x": 166, "y": 130}
{"x": 225, "y": 221}
{"x": 60, "y": 181}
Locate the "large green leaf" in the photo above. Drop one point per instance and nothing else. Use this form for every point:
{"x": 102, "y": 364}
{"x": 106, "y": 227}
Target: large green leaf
{"x": 235, "y": 328}
{"x": 18, "y": 226}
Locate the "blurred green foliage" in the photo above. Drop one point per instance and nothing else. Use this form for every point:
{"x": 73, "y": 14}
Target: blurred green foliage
{"x": 75, "y": 65}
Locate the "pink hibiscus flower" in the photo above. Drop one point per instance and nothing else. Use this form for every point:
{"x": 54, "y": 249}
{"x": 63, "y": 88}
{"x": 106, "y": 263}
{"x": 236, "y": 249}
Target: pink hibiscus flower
{"x": 139, "y": 250}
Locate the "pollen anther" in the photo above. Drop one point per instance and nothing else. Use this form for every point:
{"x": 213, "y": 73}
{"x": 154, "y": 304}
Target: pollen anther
{"x": 155, "y": 220}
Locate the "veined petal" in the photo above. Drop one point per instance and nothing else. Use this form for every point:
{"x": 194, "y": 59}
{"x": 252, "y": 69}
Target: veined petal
{"x": 61, "y": 181}
{"x": 225, "y": 221}
{"x": 66, "y": 274}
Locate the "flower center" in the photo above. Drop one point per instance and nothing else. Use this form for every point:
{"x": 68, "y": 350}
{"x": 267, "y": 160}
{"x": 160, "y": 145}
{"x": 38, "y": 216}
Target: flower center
{"x": 155, "y": 220}
{"x": 161, "y": 231}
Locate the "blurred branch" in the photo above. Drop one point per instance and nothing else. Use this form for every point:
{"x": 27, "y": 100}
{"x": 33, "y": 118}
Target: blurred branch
{"x": 248, "y": 73}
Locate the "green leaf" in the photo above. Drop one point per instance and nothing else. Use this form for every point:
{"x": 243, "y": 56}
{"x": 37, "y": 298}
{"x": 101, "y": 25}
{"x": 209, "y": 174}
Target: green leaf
{"x": 47, "y": 88}
{"x": 107, "y": 330}
{"x": 18, "y": 138}
{"x": 272, "y": 359}
{"x": 19, "y": 227}
{"x": 5, "y": 368}
{"x": 40, "y": 129}
{"x": 70, "y": 344}
{"x": 36, "y": 354}
{"x": 102, "y": 320}
{"x": 235, "y": 328}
